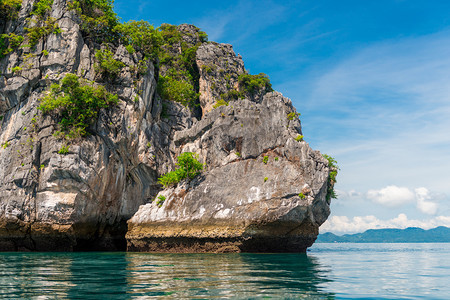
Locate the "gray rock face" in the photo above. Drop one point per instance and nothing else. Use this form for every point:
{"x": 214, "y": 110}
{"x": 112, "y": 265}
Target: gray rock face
{"x": 219, "y": 71}
{"x": 83, "y": 200}
{"x": 263, "y": 191}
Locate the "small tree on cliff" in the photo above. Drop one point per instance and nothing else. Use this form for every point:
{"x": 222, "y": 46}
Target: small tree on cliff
{"x": 188, "y": 167}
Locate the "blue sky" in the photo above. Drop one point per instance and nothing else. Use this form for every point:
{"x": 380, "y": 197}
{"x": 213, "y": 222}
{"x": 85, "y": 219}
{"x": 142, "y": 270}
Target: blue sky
{"x": 372, "y": 82}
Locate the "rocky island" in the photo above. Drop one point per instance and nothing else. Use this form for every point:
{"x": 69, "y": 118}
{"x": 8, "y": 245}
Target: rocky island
{"x": 93, "y": 112}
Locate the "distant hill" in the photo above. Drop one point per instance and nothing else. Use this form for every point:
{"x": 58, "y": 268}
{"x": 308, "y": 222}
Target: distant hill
{"x": 409, "y": 235}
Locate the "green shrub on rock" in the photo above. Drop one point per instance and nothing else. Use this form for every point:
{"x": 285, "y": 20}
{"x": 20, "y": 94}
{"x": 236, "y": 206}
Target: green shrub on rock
{"x": 220, "y": 103}
{"x": 188, "y": 167}
{"x": 252, "y": 84}
{"x": 332, "y": 164}
{"x": 35, "y": 33}
{"x": 64, "y": 150}
{"x": 299, "y": 138}
{"x": 76, "y": 103}
{"x": 99, "y": 18}
{"x": 160, "y": 200}
{"x": 42, "y": 8}
{"x": 8, "y": 43}
{"x": 180, "y": 91}
{"x": 231, "y": 95}
{"x": 140, "y": 36}
{"x": 292, "y": 115}
{"x": 203, "y": 36}
{"x": 9, "y": 9}
{"x": 106, "y": 64}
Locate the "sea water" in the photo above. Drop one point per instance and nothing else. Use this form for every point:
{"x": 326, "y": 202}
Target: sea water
{"x": 326, "y": 271}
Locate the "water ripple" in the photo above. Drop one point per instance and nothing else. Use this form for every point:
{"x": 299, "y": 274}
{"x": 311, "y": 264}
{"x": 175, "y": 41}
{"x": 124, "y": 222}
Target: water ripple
{"x": 327, "y": 272}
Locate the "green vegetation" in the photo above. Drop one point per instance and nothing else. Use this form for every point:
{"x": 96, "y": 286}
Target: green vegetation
{"x": 219, "y": 103}
{"x": 45, "y": 24}
{"x": 76, "y": 103}
{"x": 16, "y": 69}
{"x": 232, "y": 95}
{"x": 130, "y": 49}
{"x": 170, "y": 34}
{"x": 9, "y": 9}
{"x": 149, "y": 145}
{"x": 45, "y": 52}
{"x": 332, "y": 164}
{"x": 276, "y": 158}
{"x": 265, "y": 159}
{"x": 160, "y": 200}
{"x": 238, "y": 154}
{"x": 106, "y": 64}
{"x": 98, "y": 19}
{"x": 188, "y": 167}
{"x": 42, "y": 8}
{"x": 5, "y": 145}
{"x": 265, "y": 179}
{"x": 203, "y": 36}
{"x": 177, "y": 90}
{"x": 179, "y": 72}
{"x": 253, "y": 84}
{"x": 8, "y": 43}
{"x": 41, "y": 167}
{"x": 35, "y": 33}
{"x": 64, "y": 150}
{"x": 249, "y": 86}
{"x": 299, "y": 138}
{"x": 301, "y": 196}
{"x": 207, "y": 69}
{"x": 140, "y": 36}
{"x": 292, "y": 115}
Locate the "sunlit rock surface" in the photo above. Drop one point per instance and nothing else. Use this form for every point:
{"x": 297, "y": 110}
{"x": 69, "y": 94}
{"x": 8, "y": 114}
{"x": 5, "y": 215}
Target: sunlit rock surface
{"x": 83, "y": 200}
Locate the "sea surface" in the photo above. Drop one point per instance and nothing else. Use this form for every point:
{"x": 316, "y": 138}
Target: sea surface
{"x": 327, "y": 271}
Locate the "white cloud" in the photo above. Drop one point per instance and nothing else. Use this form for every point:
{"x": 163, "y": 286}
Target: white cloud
{"x": 391, "y": 196}
{"x": 348, "y": 194}
{"x": 390, "y": 103}
{"x": 423, "y": 201}
{"x": 394, "y": 196}
{"x": 343, "y": 224}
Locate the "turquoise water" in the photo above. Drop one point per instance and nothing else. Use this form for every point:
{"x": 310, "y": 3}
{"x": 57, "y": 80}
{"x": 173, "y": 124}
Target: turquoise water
{"x": 329, "y": 271}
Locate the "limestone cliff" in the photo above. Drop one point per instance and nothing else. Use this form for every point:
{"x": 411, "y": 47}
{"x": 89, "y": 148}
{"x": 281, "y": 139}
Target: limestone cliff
{"x": 263, "y": 188}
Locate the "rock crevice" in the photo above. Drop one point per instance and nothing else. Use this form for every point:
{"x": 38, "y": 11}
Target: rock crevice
{"x": 263, "y": 188}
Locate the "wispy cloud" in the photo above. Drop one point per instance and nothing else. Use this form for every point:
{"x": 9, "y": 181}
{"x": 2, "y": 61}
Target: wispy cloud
{"x": 383, "y": 112}
{"x": 343, "y": 224}
{"x": 394, "y": 196}
{"x": 244, "y": 19}
{"x": 424, "y": 201}
{"x": 391, "y": 196}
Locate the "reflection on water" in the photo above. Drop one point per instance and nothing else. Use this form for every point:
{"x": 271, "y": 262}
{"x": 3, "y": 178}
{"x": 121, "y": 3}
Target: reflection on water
{"x": 370, "y": 271}
{"x": 138, "y": 275}
{"x": 224, "y": 275}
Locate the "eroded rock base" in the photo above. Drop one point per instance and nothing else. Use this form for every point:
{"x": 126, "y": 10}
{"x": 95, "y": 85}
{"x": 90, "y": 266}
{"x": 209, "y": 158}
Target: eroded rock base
{"x": 224, "y": 245}
{"x": 21, "y": 236}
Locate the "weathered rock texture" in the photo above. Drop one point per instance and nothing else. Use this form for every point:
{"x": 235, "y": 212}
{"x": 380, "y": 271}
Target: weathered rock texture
{"x": 82, "y": 200}
{"x": 240, "y": 203}
{"x": 219, "y": 71}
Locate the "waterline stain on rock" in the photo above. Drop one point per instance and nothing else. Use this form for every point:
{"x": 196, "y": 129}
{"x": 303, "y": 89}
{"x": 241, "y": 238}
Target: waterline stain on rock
{"x": 98, "y": 194}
